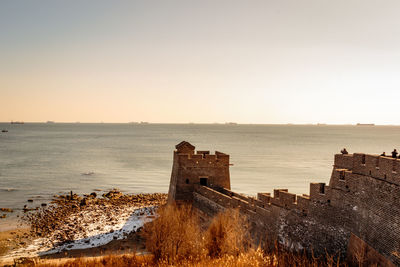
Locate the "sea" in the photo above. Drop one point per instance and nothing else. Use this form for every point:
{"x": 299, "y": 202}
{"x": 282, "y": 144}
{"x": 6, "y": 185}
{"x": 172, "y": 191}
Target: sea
{"x": 39, "y": 160}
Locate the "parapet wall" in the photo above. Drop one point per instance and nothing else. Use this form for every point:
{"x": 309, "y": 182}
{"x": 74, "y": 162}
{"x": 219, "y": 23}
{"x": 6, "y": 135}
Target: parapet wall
{"x": 362, "y": 198}
{"x": 203, "y": 160}
{"x": 384, "y": 168}
{"x": 192, "y": 168}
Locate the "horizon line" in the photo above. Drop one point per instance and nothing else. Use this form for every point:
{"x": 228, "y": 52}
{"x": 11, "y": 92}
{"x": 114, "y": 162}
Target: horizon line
{"x": 204, "y": 123}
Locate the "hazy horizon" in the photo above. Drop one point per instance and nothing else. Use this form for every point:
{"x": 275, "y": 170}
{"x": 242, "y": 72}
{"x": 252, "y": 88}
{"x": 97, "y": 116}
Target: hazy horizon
{"x": 206, "y": 123}
{"x": 258, "y": 62}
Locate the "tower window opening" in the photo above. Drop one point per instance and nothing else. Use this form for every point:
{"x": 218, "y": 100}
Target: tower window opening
{"x": 204, "y": 181}
{"x": 322, "y": 188}
{"x": 341, "y": 175}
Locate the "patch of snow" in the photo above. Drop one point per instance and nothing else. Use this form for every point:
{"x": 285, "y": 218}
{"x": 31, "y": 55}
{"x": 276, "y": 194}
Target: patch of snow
{"x": 96, "y": 232}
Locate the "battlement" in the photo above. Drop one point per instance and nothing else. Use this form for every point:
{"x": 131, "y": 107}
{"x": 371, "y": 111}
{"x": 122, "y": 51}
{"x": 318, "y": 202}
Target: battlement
{"x": 202, "y": 158}
{"x": 380, "y": 167}
{"x": 191, "y": 168}
{"x": 186, "y": 154}
{"x": 282, "y": 199}
{"x": 361, "y": 197}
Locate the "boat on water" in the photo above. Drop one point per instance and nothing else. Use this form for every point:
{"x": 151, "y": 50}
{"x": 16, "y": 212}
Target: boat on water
{"x": 4, "y": 131}
{"x": 17, "y": 122}
{"x": 87, "y": 173}
{"x": 365, "y": 124}
{"x": 49, "y": 121}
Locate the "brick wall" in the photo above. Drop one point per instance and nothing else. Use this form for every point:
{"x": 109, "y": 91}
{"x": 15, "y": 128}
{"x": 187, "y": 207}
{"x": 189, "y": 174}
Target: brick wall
{"x": 362, "y": 199}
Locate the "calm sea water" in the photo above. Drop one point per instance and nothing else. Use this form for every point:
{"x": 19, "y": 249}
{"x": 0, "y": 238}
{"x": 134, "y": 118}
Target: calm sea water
{"x": 40, "y": 160}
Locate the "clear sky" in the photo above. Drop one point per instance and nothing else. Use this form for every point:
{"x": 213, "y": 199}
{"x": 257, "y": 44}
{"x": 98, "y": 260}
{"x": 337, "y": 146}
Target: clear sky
{"x": 200, "y": 61}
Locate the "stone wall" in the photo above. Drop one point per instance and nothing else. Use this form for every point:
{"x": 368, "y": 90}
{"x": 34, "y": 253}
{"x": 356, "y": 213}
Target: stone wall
{"x": 362, "y": 199}
{"x": 190, "y": 168}
{"x": 360, "y": 253}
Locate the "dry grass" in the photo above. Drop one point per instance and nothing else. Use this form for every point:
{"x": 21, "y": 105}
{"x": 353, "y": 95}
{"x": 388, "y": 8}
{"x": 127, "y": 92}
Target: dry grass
{"x": 227, "y": 235}
{"x": 174, "y": 235}
{"x": 3, "y": 249}
{"x": 175, "y": 239}
{"x": 112, "y": 260}
{"x": 250, "y": 258}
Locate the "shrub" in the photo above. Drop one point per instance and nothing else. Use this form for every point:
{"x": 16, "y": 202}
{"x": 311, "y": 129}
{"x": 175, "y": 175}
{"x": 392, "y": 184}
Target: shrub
{"x": 175, "y": 234}
{"x": 227, "y": 235}
{"x": 3, "y": 249}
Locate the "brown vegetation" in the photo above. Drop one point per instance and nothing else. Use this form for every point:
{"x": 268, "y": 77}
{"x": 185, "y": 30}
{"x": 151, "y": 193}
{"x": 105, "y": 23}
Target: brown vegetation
{"x": 176, "y": 238}
{"x": 227, "y": 235}
{"x": 3, "y": 249}
{"x": 250, "y": 258}
{"x": 174, "y": 235}
{"x": 124, "y": 260}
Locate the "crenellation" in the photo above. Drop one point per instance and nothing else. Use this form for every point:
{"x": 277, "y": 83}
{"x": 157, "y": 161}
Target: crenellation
{"x": 359, "y": 165}
{"x": 276, "y": 192}
{"x": 385, "y": 168}
{"x": 210, "y": 157}
{"x": 372, "y": 164}
{"x": 259, "y": 203}
{"x": 343, "y": 161}
{"x": 362, "y": 198}
{"x": 315, "y": 191}
{"x": 222, "y": 156}
{"x": 341, "y": 178}
{"x": 265, "y": 198}
{"x": 203, "y": 152}
{"x": 286, "y": 199}
{"x": 196, "y": 157}
{"x": 303, "y": 202}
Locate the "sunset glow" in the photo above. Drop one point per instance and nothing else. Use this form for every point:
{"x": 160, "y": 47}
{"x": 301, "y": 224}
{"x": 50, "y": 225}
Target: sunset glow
{"x": 208, "y": 61}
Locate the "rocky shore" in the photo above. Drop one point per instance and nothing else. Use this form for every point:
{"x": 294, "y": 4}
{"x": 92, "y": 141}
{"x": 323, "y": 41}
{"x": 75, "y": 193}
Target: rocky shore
{"x": 80, "y": 222}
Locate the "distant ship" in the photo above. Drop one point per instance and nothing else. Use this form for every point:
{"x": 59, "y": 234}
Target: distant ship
{"x": 144, "y": 122}
{"x": 231, "y": 123}
{"x": 17, "y": 122}
{"x": 365, "y": 124}
{"x": 4, "y": 131}
{"x": 49, "y": 121}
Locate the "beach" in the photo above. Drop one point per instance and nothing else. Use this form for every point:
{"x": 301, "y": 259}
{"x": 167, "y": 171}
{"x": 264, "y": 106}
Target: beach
{"x": 74, "y": 225}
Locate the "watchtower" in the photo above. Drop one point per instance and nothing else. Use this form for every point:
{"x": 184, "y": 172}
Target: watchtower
{"x": 200, "y": 168}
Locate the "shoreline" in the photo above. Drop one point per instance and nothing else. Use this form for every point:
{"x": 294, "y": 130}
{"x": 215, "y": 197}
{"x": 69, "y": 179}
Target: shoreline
{"x": 12, "y": 224}
{"x": 133, "y": 244}
{"x": 78, "y": 226}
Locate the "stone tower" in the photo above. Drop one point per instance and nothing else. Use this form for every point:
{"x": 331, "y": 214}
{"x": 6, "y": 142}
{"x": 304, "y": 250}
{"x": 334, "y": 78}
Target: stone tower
{"x": 200, "y": 168}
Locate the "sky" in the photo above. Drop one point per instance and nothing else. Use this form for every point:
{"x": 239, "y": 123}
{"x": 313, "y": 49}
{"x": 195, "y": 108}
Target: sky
{"x": 168, "y": 61}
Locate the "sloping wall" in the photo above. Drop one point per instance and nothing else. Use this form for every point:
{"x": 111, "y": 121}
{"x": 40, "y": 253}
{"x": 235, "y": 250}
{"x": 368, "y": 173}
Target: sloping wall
{"x": 356, "y": 201}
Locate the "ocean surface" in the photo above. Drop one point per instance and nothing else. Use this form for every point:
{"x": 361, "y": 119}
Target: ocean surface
{"x": 38, "y": 160}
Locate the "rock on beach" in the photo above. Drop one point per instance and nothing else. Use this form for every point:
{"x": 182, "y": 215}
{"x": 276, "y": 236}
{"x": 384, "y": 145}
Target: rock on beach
{"x": 72, "y": 217}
